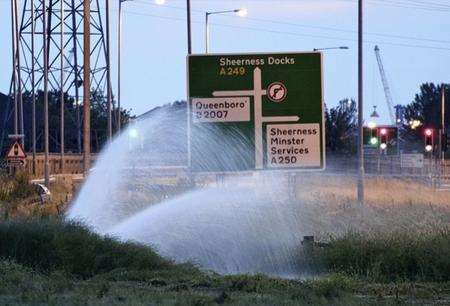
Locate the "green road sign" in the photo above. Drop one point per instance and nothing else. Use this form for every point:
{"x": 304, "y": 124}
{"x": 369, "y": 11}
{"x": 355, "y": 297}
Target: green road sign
{"x": 256, "y": 111}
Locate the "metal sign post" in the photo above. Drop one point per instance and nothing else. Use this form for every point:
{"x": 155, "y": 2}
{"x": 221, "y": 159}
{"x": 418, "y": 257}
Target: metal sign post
{"x": 256, "y": 111}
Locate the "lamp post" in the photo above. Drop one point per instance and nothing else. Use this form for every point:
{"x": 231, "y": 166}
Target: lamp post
{"x": 108, "y": 74}
{"x": 45, "y": 81}
{"x": 188, "y": 18}
{"x": 360, "y": 188}
{"x": 239, "y": 12}
{"x": 331, "y": 48}
{"x": 119, "y": 48}
{"x": 374, "y": 115}
{"x": 442, "y": 133}
{"x": 86, "y": 86}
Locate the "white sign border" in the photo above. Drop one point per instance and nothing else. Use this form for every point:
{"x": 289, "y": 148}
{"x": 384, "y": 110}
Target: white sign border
{"x": 188, "y": 111}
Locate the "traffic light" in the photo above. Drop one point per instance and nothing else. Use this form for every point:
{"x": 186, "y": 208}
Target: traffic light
{"x": 383, "y": 138}
{"x": 373, "y": 140}
{"x": 370, "y": 137}
{"x": 429, "y": 141}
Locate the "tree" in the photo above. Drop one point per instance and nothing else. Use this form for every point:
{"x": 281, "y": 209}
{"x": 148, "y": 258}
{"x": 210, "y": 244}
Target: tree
{"x": 426, "y": 107}
{"x": 98, "y": 121}
{"x": 341, "y": 127}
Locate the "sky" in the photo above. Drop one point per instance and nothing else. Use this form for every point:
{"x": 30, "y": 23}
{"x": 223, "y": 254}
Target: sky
{"x": 413, "y": 36}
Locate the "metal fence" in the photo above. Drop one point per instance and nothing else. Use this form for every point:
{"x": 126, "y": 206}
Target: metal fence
{"x": 433, "y": 172}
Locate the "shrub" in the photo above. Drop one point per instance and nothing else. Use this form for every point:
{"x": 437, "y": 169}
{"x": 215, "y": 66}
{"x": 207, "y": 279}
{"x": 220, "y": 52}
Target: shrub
{"x": 332, "y": 286}
{"x": 52, "y": 244}
{"x": 15, "y": 278}
{"x": 394, "y": 256}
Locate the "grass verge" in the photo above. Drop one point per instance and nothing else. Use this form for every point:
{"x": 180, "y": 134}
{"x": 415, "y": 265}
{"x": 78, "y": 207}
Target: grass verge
{"x": 388, "y": 257}
{"x": 51, "y": 244}
{"x": 50, "y": 262}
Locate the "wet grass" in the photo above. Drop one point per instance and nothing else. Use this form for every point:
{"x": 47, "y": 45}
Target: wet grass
{"x": 50, "y": 262}
{"x": 20, "y": 285}
{"x": 51, "y": 244}
{"x": 390, "y": 252}
{"x": 387, "y": 257}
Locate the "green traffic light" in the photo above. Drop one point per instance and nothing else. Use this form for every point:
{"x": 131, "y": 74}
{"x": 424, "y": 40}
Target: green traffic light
{"x": 373, "y": 140}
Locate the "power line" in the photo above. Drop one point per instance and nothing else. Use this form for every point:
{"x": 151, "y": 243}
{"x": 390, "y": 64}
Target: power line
{"x": 445, "y": 4}
{"x": 292, "y": 33}
{"x": 403, "y": 4}
{"x": 411, "y": 4}
{"x": 416, "y": 3}
{"x": 315, "y": 27}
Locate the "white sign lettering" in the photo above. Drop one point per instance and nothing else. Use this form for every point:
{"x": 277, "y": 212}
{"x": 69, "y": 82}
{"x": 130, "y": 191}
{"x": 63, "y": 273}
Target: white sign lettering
{"x": 293, "y": 145}
{"x": 229, "y": 109}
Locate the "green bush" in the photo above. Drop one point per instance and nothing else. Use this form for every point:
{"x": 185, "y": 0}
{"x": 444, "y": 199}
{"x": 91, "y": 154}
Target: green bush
{"x": 15, "y": 278}
{"x": 333, "y": 286}
{"x": 50, "y": 245}
{"x": 387, "y": 257}
{"x": 256, "y": 283}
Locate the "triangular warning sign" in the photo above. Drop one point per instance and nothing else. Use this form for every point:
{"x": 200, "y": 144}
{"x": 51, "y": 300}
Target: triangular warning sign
{"x": 16, "y": 152}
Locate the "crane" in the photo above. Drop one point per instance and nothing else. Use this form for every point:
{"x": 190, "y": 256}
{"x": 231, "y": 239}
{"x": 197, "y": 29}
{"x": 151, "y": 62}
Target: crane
{"x": 396, "y": 121}
{"x": 387, "y": 90}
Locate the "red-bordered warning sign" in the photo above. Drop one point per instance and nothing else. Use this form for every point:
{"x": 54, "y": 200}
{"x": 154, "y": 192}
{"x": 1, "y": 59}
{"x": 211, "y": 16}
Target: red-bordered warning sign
{"x": 16, "y": 155}
{"x": 276, "y": 92}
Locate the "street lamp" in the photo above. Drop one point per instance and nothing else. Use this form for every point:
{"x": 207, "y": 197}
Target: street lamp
{"x": 119, "y": 48}
{"x": 373, "y": 118}
{"x": 239, "y": 12}
{"x": 331, "y": 48}
{"x": 374, "y": 113}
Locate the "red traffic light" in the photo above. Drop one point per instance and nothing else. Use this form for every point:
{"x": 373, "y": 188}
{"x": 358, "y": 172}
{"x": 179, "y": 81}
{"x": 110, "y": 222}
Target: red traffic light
{"x": 429, "y": 141}
{"x": 383, "y": 131}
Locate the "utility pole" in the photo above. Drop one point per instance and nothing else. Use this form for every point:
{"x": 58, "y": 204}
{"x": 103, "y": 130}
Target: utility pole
{"x": 19, "y": 79}
{"x": 206, "y": 32}
{"x": 442, "y": 121}
{"x": 33, "y": 91}
{"x": 119, "y": 48}
{"x": 76, "y": 74}
{"x": 398, "y": 124}
{"x": 360, "y": 106}
{"x": 108, "y": 72}
{"x": 189, "y": 45}
{"x": 188, "y": 10}
{"x": 45, "y": 48}
{"x": 61, "y": 85}
{"x": 86, "y": 85}
{"x": 14, "y": 77}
